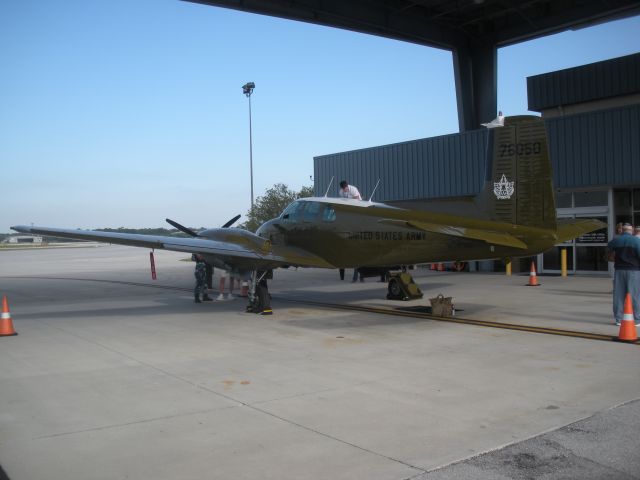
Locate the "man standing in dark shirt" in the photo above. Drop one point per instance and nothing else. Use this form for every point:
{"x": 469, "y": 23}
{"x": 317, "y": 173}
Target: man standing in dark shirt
{"x": 624, "y": 250}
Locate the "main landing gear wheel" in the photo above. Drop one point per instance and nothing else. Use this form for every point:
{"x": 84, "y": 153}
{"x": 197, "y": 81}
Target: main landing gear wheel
{"x": 259, "y": 298}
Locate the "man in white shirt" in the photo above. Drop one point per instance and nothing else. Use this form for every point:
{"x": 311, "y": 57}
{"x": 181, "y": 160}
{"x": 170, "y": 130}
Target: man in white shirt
{"x": 349, "y": 191}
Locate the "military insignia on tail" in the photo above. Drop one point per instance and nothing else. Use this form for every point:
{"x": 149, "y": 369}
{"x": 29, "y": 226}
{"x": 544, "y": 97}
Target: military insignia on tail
{"x": 503, "y": 189}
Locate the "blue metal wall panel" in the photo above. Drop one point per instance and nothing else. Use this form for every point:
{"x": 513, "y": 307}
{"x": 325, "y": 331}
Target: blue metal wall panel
{"x": 619, "y": 76}
{"x": 599, "y": 148}
{"x": 448, "y": 165}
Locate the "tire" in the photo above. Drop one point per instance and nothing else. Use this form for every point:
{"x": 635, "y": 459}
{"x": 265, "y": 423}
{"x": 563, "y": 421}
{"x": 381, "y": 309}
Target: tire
{"x": 262, "y": 299}
{"x": 395, "y": 290}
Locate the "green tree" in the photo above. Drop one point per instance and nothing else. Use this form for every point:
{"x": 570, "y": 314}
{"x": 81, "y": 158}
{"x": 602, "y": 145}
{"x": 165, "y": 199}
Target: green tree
{"x": 271, "y": 204}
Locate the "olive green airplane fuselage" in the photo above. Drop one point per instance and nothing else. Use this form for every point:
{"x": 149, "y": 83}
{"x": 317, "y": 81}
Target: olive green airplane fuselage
{"x": 354, "y": 236}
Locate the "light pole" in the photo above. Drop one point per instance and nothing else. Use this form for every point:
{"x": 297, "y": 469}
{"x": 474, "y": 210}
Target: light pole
{"x": 247, "y": 89}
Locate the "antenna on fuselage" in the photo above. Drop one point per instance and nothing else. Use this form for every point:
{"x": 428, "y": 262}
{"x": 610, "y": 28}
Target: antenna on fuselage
{"x": 374, "y": 191}
{"x": 327, "y": 192}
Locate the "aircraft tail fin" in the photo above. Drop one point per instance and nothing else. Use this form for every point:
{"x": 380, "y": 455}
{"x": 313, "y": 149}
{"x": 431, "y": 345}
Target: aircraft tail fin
{"x": 518, "y": 184}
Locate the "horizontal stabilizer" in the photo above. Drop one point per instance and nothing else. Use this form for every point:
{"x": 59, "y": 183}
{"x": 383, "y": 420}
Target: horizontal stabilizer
{"x": 488, "y": 236}
{"x": 568, "y": 229}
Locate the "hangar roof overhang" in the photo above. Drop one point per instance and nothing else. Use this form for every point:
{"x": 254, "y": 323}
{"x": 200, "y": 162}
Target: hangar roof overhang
{"x": 471, "y": 29}
{"x": 444, "y": 23}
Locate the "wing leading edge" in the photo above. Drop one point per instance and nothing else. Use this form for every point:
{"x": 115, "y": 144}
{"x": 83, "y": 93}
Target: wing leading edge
{"x": 241, "y": 254}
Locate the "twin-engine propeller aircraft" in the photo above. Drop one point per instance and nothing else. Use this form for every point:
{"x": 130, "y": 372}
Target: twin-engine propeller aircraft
{"x": 513, "y": 216}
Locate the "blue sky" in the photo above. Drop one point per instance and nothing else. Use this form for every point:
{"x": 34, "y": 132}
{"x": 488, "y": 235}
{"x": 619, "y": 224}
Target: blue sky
{"x": 125, "y": 112}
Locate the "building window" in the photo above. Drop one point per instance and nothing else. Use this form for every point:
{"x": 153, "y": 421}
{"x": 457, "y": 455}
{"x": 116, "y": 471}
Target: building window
{"x": 586, "y": 253}
{"x": 593, "y": 259}
{"x": 551, "y": 259}
{"x": 627, "y": 205}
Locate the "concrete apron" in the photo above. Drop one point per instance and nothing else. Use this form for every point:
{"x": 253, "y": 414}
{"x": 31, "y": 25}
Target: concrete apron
{"x": 107, "y": 380}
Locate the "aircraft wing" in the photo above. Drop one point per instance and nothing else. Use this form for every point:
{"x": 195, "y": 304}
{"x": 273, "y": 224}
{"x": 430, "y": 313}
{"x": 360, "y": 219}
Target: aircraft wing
{"x": 239, "y": 249}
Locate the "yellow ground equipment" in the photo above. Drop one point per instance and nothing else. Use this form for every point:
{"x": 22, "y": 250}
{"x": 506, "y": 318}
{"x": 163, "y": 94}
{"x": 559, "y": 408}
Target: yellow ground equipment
{"x": 402, "y": 287}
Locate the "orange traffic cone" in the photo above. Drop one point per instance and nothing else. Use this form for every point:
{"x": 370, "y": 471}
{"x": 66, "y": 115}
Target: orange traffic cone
{"x": 533, "y": 278}
{"x": 244, "y": 290}
{"x": 432, "y": 267}
{"x": 6, "y": 325}
{"x": 441, "y": 267}
{"x": 628, "y": 326}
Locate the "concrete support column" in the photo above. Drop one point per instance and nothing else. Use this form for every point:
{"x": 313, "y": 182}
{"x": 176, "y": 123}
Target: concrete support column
{"x": 475, "y": 68}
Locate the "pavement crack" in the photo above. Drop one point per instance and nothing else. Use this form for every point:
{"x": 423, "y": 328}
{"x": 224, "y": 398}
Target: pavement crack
{"x": 127, "y": 424}
{"x": 336, "y": 439}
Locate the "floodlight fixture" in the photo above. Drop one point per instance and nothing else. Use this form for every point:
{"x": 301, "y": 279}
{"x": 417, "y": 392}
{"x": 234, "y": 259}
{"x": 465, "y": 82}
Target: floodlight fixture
{"x": 247, "y": 88}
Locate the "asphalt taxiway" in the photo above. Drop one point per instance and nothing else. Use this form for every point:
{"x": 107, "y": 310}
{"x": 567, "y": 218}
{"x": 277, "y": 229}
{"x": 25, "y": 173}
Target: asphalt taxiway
{"x": 113, "y": 375}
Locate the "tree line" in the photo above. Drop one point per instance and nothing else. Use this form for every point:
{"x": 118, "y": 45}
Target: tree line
{"x": 265, "y": 207}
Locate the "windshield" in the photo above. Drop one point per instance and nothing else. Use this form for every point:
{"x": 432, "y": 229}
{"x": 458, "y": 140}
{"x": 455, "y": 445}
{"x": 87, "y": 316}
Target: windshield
{"x": 309, "y": 212}
{"x": 292, "y": 212}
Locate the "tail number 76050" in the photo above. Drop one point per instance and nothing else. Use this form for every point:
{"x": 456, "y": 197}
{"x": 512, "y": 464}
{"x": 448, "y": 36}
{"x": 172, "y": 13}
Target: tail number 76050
{"x": 528, "y": 148}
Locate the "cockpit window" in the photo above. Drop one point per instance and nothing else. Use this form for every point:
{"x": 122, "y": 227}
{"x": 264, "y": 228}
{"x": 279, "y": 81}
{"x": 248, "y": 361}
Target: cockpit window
{"x": 308, "y": 212}
{"x": 329, "y": 214}
{"x": 311, "y": 211}
{"x": 292, "y": 212}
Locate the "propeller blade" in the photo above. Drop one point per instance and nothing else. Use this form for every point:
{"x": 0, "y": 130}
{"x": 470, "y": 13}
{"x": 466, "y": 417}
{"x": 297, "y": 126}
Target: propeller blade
{"x": 186, "y": 230}
{"x": 231, "y": 222}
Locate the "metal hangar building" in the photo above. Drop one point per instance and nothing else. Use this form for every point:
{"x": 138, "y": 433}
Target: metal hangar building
{"x": 592, "y": 115}
{"x": 592, "y": 112}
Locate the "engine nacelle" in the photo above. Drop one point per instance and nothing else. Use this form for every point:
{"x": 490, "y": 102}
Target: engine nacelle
{"x": 238, "y": 236}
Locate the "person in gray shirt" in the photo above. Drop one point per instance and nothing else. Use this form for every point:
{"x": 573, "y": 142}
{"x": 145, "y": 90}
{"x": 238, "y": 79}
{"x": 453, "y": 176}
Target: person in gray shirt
{"x": 624, "y": 251}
